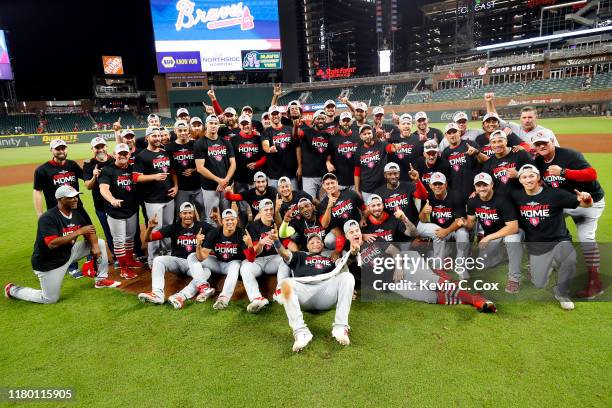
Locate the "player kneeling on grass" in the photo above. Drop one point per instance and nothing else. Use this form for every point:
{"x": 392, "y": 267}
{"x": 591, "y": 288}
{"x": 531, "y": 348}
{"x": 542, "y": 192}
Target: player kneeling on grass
{"x": 548, "y": 240}
{"x": 56, "y": 248}
{"x": 497, "y": 218}
{"x": 221, "y": 252}
{"x": 183, "y": 236}
{"x": 315, "y": 284}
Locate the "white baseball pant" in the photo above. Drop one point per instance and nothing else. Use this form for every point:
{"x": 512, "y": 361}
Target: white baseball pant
{"x": 270, "y": 265}
{"x": 165, "y": 216}
{"x": 51, "y": 281}
{"x": 321, "y": 295}
{"x": 163, "y": 264}
{"x": 211, "y": 264}
{"x": 586, "y": 220}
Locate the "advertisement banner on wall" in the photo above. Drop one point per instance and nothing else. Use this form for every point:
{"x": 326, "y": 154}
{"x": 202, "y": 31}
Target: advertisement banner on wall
{"x": 44, "y": 139}
{"x": 113, "y": 65}
{"x": 256, "y": 60}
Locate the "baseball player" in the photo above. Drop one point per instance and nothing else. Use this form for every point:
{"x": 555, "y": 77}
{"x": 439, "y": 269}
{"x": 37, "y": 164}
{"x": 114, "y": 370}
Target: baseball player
{"x": 548, "y": 240}
{"x": 216, "y": 164}
{"x": 121, "y": 206}
{"x": 461, "y": 119}
{"x": 255, "y": 195}
{"x": 182, "y": 161}
{"x": 443, "y": 218}
{"x": 402, "y": 194}
{"x": 307, "y": 223}
{"x": 56, "y": 247}
{"x": 183, "y": 236}
{"x": 249, "y": 154}
{"x": 222, "y": 252}
{"x": 503, "y": 165}
{"x": 409, "y": 149}
{"x": 567, "y": 169}
{"x": 528, "y": 128}
{"x": 314, "y": 142}
{"x": 158, "y": 184}
{"x": 91, "y": 171}
{"x": 338, "y": 206}
{"x": 232, "y": 126}
{"x": 423, "y": 131}
{"x": 331, "y": 120}
{"x": 141, "y": 143}
{"x": 497, "y": 218}
{"x": 283, "y": 151}
{"x": 384, "y": 226}
{"x": 315, "y": 284}
{"x": 288, "y": 198}
{"x": 490, "y": 125}
{"x": 266, "y": 261}
{"x": 257, "y": 125}
{"x": 463, "y": 158}
{"x": 430, "y": 163}
{"x": 196, "y": 128}
{"x": 343, "y": 144}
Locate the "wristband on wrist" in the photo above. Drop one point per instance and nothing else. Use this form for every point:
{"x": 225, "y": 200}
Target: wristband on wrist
{"x": 277, "y": 244}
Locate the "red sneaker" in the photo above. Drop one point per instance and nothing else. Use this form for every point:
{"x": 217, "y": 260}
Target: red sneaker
{"x": 106, "y": 283}
{"x": 132, "y": 262}
{"x": 204, "y": 292}
{"x": 593, "y": 290}
{"x": 127, "y": 274}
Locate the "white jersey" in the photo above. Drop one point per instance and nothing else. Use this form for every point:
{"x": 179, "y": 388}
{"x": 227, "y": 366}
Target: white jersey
{"x": 527, "y": 137}
{"x": 470, "y": 135}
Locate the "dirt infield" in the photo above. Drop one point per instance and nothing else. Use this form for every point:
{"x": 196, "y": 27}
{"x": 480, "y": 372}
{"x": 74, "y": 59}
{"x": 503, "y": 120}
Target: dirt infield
{"x": 597, "y": 143}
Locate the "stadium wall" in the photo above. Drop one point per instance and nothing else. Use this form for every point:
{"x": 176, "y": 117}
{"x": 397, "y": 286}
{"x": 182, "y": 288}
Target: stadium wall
{"x": 29, "y": 140}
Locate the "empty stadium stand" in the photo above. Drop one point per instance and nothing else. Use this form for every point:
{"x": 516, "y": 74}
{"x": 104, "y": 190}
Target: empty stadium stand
{"x": 14, "y": 124}
{"x": 67, "y": 122}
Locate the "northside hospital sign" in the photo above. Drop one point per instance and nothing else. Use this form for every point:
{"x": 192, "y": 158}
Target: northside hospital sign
{"x": 214, "y": 35}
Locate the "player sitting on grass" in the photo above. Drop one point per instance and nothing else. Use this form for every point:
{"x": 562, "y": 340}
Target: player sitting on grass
{"x": 183, "y": 236}
{"x": 56, "y": 247}
{"x": 315, "y": 284}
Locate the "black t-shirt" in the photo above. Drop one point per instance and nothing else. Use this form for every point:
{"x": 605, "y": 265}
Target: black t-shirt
{"x": 88, "y": 169}
{"x": 371, "y": 161}
{"x": 53, "y": 224}
{"x": 483, "y": 144}
{"x": 541, "y": 216}
{"x": 258, "y": 230}
{"x": 148, "y": 162}
{"x": 407, "y": 154}
{"x": 247, "y": 149}
{"x": 216, "y": 154}
{"x": 227, "y": 133}
{"x": 492, "y": 215}
{"x": 389, "y": 229}
{"x": 253, "y": 200}
{"x": 347, "y": 208}
{"x": 307, "y": 264}
{"x": 498, "y": 169}
{"x": 181, "y": 159}
{"x": 50, "y": 176}
{"x": 463, "y": 167}
{"x": 330, "y": 127}
{"x": 296, "y": 196}
{"x": 400, "y": 197}
{"x": 572, "y": 160}
{"x": 225, "y": 249}
{"x": 445, "y": 211}
{"x": 440, "y": 166}
{"x": 134, "y": 153}
{"x": 315, "y": 144}
{"x": 141, "y": 143}
{"x": 284, "y": 161}
{"x": 342, "y": 148}
{"x": 304, "y": 228}
{"x": 432, "y": 133}
{"x": 183, "y": 240}
{"x": 122, "y": 188}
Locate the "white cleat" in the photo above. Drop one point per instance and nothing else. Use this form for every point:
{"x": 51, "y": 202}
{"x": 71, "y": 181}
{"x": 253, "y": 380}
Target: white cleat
{"x": 341, "y": 336}
{"x": 204, "y": 292}
{"x": 150, "y": 297}
{"x": 221, "y": 303}
{"x": 301, "y": 340}
{"x": 256, "y": 305}
{"x": 177, "y": 300}
{"x": 564, "y": 302}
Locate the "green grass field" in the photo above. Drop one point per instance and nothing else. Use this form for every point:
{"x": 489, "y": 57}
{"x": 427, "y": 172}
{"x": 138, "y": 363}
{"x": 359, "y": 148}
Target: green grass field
{"x": 115, "y": 351}
{"x": 38, "y": 154}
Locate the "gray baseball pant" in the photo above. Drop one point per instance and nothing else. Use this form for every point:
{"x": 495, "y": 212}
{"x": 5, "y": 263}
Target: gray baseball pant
{"x": 462, "y": 239}
{"x": 213, "y": 198}
{"x": 51, "y": 281}
{"x": 322, "y": 295}
{"x": 563, "y": 257}
{"x": 123, "y": 231}
{"x": 194, "y": 197}
{"x": 274, "y": 183}
{"x": 492, "y": 255}
{"x": 163, "y": 264}
{"x": 211, "y": 264}
{"x": 270, "y": 265}
{"x": 312, "y": 186}
{"x": 165, "y": 216}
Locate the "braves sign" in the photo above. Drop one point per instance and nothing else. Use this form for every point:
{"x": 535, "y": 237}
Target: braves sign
{"x": 221, "y": 17}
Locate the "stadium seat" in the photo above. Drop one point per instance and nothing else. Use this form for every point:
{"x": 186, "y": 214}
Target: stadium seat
{"x": 15, "y": 124}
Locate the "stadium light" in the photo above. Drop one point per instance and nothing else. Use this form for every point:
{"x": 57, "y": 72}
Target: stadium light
{"x": 544, "y": 38}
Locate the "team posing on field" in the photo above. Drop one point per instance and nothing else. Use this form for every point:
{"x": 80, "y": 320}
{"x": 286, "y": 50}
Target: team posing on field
{"x": 222, "y": 196}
